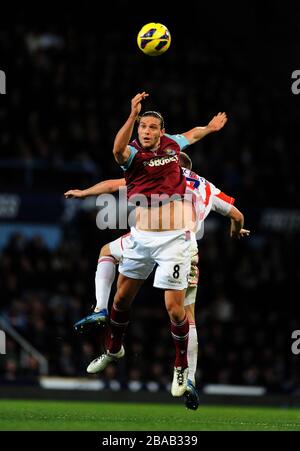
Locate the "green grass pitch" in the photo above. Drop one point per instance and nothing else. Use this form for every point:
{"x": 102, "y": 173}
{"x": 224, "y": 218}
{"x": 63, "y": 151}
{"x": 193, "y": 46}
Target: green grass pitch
{"x": 95, "y": 416}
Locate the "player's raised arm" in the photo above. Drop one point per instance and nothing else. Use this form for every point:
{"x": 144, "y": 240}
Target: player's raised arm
{"x": 197, "y": 133}
{"x": 121, "y": 149}
{"x": 107, "y": 186}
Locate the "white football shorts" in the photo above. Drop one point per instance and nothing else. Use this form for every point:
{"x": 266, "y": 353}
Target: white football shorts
{"x": 118, "y": 247}
{"x": 139, "y": 252}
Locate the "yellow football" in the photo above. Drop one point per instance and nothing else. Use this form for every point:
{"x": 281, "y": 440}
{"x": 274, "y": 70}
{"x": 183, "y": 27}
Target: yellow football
{"x": 154, "y": 39}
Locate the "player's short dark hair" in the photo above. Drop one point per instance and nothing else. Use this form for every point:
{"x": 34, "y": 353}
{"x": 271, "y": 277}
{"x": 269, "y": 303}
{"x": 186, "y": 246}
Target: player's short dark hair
{"x": 185, "y": 161}
{"x": 154, "y": 114}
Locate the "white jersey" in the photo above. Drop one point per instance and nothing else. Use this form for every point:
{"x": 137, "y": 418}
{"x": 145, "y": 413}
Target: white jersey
{"x": 207, "y": 197}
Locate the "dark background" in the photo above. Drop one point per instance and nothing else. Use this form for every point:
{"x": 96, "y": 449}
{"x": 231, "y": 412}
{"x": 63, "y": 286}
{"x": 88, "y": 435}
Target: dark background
{"x": 71, "y": 73}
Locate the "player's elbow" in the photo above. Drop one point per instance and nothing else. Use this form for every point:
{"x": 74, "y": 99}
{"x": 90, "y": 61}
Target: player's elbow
{"x": 237, "y": 215}
{"x": 240, "y": 219}
{"x": 109, "y": 189}
{"x": 119, "y": 155}
{"x": 117, "y": 152}
{"x": 112, "y": 186}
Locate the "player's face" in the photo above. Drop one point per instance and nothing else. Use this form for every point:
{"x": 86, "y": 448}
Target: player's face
{"x": 149, "y": 132}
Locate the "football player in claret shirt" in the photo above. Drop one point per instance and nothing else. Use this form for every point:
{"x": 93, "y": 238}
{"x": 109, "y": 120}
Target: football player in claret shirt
{"x": 111, "y": 254}
{"x": 151, "y": 167}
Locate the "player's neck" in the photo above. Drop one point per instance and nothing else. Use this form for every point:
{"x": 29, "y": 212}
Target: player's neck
{"x": 155, "y": 148}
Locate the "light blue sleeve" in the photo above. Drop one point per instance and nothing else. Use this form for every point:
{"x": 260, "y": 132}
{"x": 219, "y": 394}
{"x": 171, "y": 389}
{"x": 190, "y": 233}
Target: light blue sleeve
{"x": 180, "y": 140}
{"x": 133, "y": 151}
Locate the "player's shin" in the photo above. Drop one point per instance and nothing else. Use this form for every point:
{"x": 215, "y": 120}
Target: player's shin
{"x": 105, "y": 275}
{"x": 180, "y": 335}
{"x": 119, "y": 320}
{"x": 192, "y": 352}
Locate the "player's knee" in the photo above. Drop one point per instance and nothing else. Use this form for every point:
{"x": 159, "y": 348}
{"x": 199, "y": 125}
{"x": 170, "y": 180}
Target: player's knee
{"x": 190, "y": 313}
{"x": 122, "y": 300}
{"x": 176, "y": 312}
{"x": 105, "y": 251}
{"x": 120, "y": 303}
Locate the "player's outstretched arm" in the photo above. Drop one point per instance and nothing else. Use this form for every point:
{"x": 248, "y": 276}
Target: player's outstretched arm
{"x": 197, "y": 133}
{"x": 237, "y": 224}
{"x": 105, "y": 187}
{"x": 121, "y": 150}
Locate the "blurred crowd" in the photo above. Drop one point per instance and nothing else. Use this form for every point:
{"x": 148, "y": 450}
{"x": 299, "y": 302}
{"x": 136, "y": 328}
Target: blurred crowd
{"x": 244, "y": 315}
{"x": 69, "y": 86}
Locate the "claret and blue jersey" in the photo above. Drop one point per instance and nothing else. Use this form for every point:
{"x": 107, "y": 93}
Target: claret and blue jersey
{"x": 156, "y": 172}
{"x": 180, "y": 140}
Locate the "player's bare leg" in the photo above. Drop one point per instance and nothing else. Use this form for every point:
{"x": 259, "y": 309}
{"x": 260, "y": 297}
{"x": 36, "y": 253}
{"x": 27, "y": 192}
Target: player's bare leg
{"x": 174, "y": 300}
{"x": 127, "y": 289}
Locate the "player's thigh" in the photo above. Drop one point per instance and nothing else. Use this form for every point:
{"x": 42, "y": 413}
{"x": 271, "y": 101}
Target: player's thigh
{"x": 174, "y": 298}
{"x": 127, "y": 289}
{"x": 190, "y": 312}
{"x": 174, "y": 263}
{"x": 190, "y": 295}
{"x": 194, "y": 271}
{"x": 105, "y": 251}
{"x": 193, "y": 277}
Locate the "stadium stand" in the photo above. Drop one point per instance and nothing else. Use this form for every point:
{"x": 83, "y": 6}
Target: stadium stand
{"x": 57, "y": 123}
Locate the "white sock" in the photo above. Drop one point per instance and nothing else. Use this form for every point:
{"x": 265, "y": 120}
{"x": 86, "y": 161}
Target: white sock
{"x": 105, "y": 275}
{"x": 192, "y": 352}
